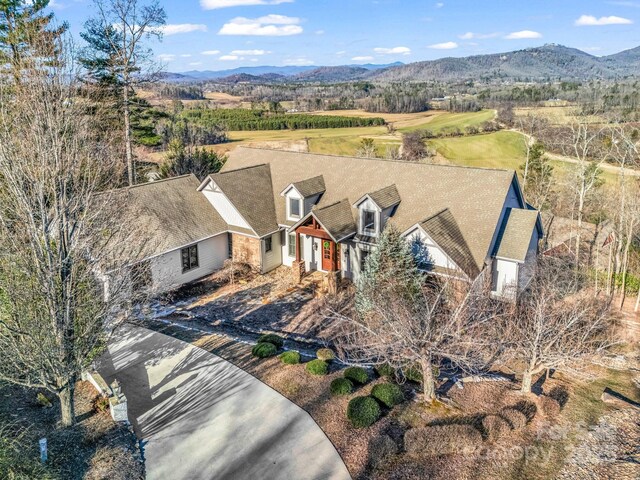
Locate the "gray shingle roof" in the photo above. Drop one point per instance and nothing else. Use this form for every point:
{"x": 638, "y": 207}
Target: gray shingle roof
{"x": 515, "y": 234}
{"x": 444, "y": 230}
{"x": 386, "y": 197}
{"x": 475, "y": 197}
{"x": 250, "y": 190}
{"x": 311, "y": 186}
{"x": 172, "y": 214}
{"x": 337, "y": 219}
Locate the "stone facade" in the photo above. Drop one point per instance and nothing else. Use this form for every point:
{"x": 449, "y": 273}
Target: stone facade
{"x": 246, "y": 250}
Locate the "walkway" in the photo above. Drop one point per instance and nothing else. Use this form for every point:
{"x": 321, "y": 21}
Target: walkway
{"x": 201, "y": 417}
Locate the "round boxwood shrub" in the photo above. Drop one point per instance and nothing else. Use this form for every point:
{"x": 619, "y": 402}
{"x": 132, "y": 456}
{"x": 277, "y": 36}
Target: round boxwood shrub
{"x": 385, "y": 370}
{"x": 363, "y": 412}
{"x": 325, "y": 354}
{"x": 271, "y": 338}
{"x": 264, "y": 350}
{"x": 317, "y": 367}
{"x": 341, "y": 386}
{"x": 356, "y": 374}
{"x": 389, "y": 394}
{"x": 290, "y": 358}
{"x": 413, "y": 374}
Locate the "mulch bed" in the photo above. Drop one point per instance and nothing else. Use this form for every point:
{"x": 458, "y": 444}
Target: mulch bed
{"x": 95, "y": 448}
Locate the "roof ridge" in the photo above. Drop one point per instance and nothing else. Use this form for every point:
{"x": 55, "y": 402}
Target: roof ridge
{"x": 369, "y": 159}
{"x": 240, "y": 169}
{"x": 147, "y": 184}
{"x": 436, "y": 214}
{"x": 337, "y": 202}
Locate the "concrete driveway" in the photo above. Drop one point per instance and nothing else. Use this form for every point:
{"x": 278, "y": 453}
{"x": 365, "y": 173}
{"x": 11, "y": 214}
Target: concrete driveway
{"x": 200, "y": 417}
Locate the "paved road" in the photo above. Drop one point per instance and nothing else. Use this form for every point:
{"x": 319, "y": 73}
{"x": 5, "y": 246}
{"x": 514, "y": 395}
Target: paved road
{"x": 201, "y": 417}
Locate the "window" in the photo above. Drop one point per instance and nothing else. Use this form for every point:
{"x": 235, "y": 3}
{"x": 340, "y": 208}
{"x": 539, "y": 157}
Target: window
{"x": 189, "y": 258}
{"x": 292, "y": 244}
{"x": 268, "y": 244}
{"x": 368, "y": 221}
{"x": 294, "y": 207}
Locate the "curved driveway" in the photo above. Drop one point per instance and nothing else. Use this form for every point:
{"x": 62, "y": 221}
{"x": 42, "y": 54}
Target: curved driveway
{"x": 200, "y": 417}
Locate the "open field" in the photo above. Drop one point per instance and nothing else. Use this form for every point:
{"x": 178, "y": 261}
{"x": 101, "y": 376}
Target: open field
{"x": 557, "y": 115}
{"x": 448, "y": 121}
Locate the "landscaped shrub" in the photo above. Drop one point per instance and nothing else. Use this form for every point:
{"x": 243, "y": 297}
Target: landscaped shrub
{"x": 516, "y": 418}
{"x": 264, "y": 350}
{"x": 560, "y": 394}
{"x": 272, "y": 338}
{"x": 442, "y": 439}
{"x": 389, "y": 394}
{"x": 550, "y": 406}
{"x": 290, "y": 358}
{"x": 325, "y": 354}
{"x": 101, "y": 404}
{"x": 356, "y": 374}
{"x": 385, "y": 370}
{"x": 341, "y": 386}
{"x": 412, "y": 373}
{"x": 495, "y": 427}
{"x": 317, "y": 367}
{"x": 363, "y": 411}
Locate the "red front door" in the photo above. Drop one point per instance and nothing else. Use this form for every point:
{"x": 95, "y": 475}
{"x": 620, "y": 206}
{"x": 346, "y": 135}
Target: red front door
{"x": 327, "y": 255}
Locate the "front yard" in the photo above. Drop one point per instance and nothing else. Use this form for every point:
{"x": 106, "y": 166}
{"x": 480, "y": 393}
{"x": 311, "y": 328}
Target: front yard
{"x": 464, "y": 438}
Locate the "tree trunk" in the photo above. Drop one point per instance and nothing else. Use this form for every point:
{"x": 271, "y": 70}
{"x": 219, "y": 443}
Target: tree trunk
{"x": 527, "y": 377}
{"x": 66, "y": 405}
{"x": 127, "y": 136}
{"x": 428, "y": 381}
{"x": 637, "y": 307}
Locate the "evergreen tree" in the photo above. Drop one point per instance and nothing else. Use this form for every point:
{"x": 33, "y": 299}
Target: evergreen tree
{"x": 182, "y": 161}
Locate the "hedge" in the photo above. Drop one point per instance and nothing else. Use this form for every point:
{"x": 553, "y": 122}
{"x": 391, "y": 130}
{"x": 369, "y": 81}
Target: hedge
{"x": 442, "y": 440}
{"x": 356, "y": 374}
{"x": 271, "y": 338}
{"x": 363, "y": 412}
{"x": 326, "y": 354}
{"x": 389, "y": 394}
{"x": 264, "y": 350}
{"x": 290, "y": 358}
{"x": 317, "y": 367}
{"x": 341, "y": 386}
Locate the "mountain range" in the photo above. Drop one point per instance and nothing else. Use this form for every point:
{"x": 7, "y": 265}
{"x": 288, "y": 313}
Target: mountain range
{"x": 548, "y": 62}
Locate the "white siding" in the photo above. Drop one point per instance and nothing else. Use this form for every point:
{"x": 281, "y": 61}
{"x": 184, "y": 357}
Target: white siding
{"x": 166, "y": 269}
{"x": 272, "y": 259}
{"x": 436, "y": 254}
{"x": 505, "y": 277}
{"x": 224, "y": 207}
{"x": 286, "y": 259}
{"x": 293, "y": 193}
{"x": 370, "y": 205}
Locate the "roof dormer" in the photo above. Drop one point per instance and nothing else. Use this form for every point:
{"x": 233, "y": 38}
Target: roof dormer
{"x": 302, "y": 196}
{"x": 374, "y": 208}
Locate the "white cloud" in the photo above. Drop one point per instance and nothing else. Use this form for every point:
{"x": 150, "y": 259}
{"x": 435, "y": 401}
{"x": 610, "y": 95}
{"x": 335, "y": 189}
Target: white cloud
{"x": 393, "y": 51}
{"x": 300, "y": 61}
{"x": 444, "y": 46}
{"x": 522, "y": 34}
{"x": 57, "y": 5}
{"x": 211, "y": 52}
{"x": 591, "y": 21}
{"x": 341, "y": 52}
{"x": 229, "y": 58}
{"x": 319, "y": 32}
{"x": 195, "y": 64}
{"x": 250, "y": 52}
{"x": 214, "y": 4}
{"x": 186, "y": 55}
{"x": 365, "y": 58}
{"x": 472, "y": 35}
{"x": 439, "y": 5}
{"x": 174, "y": 29}
{"x": 269, "y": 25}
{"x": 166, "y": 57}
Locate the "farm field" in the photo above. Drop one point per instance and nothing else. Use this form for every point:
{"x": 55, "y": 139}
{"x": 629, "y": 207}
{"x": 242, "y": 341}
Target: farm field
{"x": 448, "y": 121}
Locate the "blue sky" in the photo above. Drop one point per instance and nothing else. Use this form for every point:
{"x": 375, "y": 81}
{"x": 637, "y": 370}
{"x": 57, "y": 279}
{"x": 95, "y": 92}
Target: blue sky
{"x": 221, "y": 34}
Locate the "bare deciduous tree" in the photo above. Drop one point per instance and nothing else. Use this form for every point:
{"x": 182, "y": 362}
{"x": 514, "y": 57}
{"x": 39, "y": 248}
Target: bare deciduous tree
{"x": 408, "y": 324}
{"x": 555, "y": 324}
{"x": 54, "y": 230}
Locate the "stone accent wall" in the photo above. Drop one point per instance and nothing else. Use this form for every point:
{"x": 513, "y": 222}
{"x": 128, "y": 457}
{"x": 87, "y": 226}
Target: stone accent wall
{"x": 246, "y": 250}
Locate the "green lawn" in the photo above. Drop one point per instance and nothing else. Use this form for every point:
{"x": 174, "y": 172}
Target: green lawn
{"x": 448, "y": 121}
{"x": 347, "y": 145}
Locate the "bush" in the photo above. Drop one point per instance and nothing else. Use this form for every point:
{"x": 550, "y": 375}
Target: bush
{"x": 317, "y": 367}
{"x": 325, "y": 354}
{"x": 442, "y": 439}
{"x": 550, "y": 406}
{"x": 363, "y": 412}
{"x": 273, "y": 339}
{"x": 385, "y": 370}
{"x": 341, "y": 386}
{"x": 101, "y": 404}
{"x": 356, "y": 374}
{"x": 412, "y": 373}
{"x": 514, "y": 417}
{"x": 264, "y": 350}
{"x": 495, "y": 427}
{"x": 389, "y": 394}
{"x": 290, "y": 358}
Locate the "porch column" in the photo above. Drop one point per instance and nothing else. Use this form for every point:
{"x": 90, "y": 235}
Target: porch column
{"x": 297, "y": 246}
{"x": 298, "y": 265}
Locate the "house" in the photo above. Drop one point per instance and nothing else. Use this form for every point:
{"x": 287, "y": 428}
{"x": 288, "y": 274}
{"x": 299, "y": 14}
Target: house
{"x": 325, "y": 213}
